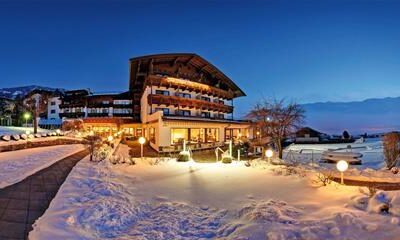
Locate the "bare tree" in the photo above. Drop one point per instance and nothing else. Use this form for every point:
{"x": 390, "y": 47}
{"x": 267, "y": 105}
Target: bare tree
{"x": 71, "y": 125}
{"x": 36, "y": 102}
{"x": 93, "y": 143}
{"x": 277, "y": 120}
{"x": 391, "y": 149}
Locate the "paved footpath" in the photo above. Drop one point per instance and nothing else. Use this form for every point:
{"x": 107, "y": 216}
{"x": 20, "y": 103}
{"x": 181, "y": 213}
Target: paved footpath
{"x": 24, "y": 202}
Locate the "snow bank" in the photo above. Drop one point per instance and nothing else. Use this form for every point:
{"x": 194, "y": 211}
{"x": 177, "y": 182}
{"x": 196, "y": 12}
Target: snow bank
{"x": 17, "y": 165}
{"x": 170, "y": 200}
{"x": 20, "y": 130}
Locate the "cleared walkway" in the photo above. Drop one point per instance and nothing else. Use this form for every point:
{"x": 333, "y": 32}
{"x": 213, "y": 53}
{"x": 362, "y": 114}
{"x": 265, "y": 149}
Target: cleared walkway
{"x": 24, "y": 202}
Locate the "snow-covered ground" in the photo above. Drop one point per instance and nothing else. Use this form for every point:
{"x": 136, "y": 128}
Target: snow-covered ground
{"x": 371, "y": 149}
{"x": 191, "y": 200}
{"x": 19, "y": 130}
{"x": 17, "y": 165}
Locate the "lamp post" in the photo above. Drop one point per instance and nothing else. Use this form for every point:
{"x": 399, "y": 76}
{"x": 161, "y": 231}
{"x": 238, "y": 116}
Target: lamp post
{"x": 26, "y": 116}
{"x": 342, "y": 166}
{"x": 142, "y": 140}
{"x": 269, "y": 153}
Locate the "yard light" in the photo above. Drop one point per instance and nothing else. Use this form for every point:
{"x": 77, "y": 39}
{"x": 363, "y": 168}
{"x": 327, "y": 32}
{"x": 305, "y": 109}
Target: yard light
{"x": 142, "y": 141}
{"x": 342, "y": 166}
{"x": 269, "y": 153}
{"x": 110, "y": 138}
{"x": 27, "y": 116}
{"x": 91, "y": 133}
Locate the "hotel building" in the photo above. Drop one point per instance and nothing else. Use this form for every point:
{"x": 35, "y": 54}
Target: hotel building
{"x": 171, "y": 98}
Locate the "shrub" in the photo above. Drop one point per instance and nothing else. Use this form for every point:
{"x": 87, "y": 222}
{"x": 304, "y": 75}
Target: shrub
{"x": 183, "y": 157}
{"x": 391, "y": 149}
{"x": 226, "y": 159}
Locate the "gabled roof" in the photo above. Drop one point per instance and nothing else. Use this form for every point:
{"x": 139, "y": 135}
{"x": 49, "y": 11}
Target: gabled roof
{"x": 194, "y": 60}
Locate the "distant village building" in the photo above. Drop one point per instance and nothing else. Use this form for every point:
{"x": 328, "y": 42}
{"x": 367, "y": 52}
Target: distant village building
{"x": 309, "y": 135}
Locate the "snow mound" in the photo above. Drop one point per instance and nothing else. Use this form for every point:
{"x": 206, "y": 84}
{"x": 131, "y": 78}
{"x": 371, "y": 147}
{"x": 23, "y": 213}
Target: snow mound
{"x": 270, "y": 211}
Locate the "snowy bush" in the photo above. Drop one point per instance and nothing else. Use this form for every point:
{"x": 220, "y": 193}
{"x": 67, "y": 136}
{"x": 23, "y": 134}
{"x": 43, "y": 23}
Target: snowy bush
{"x": 226, "y": 159}
{"x": 323, "y": 179}
{"x": 183, "y": 156}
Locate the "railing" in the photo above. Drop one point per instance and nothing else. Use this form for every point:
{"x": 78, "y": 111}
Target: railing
{"x": 188, "y": 85}
{"x": 72, "y": 115}
{"x": 188, "y": 102}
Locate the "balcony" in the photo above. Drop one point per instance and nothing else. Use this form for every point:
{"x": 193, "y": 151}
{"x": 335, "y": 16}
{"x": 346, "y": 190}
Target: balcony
{"x": 72, "y": 115}
{"x": 188, "y": 102}
{"x": 97, "y": 114}
{"x": 177, "y": 83}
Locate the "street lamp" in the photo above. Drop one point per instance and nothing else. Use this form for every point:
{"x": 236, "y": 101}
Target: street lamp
{"x": 269, "y": 153}
{"x": 26, "y": 116}
{"x": 110, "y": 138}
{"x": 142, "y": 140}
{"x": 342, "y": 166}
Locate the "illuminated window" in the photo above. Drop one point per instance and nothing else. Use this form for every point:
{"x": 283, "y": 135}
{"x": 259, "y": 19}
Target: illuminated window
{"x": 152, "y": 135}
{"x": 197, "y": 135}
{"x": 178, "y": 135}
{"x": 212, "y": 135}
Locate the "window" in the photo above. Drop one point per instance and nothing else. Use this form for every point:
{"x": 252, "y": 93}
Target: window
{"x": 178, "y": 135}
{"x": 162, "y": 92}
{"x": 164, "y": 110}
{"x": 220, "y": 116}
{"x": 205, "y": 99}
{"x": 183, "y": 95}
{"x": 152, "y": 135}
{"x": 53, "y": 111}
{"x": 183, "y": 112}
{"x": 122, "y": 102}
{"x": 205, "y": 114}
{"x": 197, "y": 135}
{"x": 52, "y": 103}
{"x": 104, "y": 110}
{"x": 212, "y": 135}
{"x": 122, "y": 110}
{"x": 106, "y": 102}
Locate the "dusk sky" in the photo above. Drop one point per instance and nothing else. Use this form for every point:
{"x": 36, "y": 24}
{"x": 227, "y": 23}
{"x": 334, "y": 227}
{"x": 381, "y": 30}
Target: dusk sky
{"x": 306, "y": 51}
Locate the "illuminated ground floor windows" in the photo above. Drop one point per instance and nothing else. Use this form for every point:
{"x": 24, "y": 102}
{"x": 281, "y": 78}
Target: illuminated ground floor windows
{"x": 194, "y": 135}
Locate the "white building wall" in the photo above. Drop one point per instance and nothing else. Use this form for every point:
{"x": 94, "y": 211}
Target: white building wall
{"x": 53, "y": 111}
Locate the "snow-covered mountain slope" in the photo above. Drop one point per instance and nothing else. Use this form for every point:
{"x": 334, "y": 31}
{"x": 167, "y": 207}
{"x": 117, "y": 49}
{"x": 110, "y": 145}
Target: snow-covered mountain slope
{"x": 371, "y": 115}
{"x": 15, "y": 92}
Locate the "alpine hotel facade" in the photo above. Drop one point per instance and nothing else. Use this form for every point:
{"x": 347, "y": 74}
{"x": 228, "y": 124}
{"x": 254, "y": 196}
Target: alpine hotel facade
{"x": 171, "y": 98}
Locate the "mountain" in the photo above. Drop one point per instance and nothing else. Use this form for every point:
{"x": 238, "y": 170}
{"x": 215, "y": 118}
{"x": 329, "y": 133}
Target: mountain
{"x": 14, "y": 92}
{"x": 373, "y": 115}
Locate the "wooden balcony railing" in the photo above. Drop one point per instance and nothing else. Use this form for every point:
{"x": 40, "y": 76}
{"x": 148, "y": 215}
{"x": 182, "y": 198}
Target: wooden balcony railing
{"x": 187, "y": 85}
{"x": 188, "y": 102}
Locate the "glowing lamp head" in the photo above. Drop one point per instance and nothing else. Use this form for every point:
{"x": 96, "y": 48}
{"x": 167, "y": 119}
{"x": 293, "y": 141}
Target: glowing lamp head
{"x": 342, "y": 165}
{"x": 110, "y": 138}
{"x": 142, "y": 140}
{"x": 27, "y": 132}
{"x": 258, "y": 132}
{"x": 91, "y": 133}
{"x": 269, "y": 153}
{"x": 27, "y": 115}
{"x": 58, "y": 131}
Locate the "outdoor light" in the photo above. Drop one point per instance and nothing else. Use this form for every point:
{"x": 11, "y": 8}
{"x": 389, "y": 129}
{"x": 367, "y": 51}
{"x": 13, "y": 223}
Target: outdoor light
{"x": 91, "y": 133}
{"x": 26, "y": 116}
{"x": 110, "y": 138}
{"x": 269, "y": 153}
{"x": 27, "y": 132}
{"x": 342, "y": 166}
{"x": 142, "y": 140}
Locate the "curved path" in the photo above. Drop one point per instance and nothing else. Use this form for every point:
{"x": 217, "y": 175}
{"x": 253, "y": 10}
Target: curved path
{"x": 24, "y": 202}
